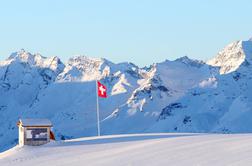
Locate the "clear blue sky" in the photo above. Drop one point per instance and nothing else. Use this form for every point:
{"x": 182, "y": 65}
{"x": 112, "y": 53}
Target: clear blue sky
{"x": 140, "y": 31}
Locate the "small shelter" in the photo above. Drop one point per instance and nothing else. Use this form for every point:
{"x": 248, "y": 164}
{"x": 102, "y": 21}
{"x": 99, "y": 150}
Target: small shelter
{"x": 34, "y": 132}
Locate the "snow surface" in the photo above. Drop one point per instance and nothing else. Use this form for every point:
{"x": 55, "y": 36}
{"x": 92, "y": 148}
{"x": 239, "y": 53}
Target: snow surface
{"x": 138, "y": 149}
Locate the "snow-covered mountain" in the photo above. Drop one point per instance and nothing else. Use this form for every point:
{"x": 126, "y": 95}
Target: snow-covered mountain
{"x": 233, "y": 56}
{"x": 221, "y": 103}
{"x": 184, "y": 95}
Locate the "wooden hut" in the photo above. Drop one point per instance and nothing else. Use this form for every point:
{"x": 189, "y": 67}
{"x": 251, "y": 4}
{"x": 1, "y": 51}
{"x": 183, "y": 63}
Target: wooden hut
{"x": 34, "y": 132}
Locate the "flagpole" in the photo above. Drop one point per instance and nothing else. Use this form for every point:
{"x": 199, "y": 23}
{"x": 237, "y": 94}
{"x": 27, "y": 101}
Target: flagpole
{"x": 97, "y": 109}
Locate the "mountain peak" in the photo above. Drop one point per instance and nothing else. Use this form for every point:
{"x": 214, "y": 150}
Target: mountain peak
{"x": 186, "y": 60}
{"x": 183, "y": 58}
{"x": 81, "y": 59}
{"x": 25, "y": 56}
{"x": 20, "y": 54}
{"x": 229, "y": 59}
{"x": 233, "y": 56}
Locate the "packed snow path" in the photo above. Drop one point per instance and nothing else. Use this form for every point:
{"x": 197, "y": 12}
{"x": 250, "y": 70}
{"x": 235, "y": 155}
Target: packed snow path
{"x": 141, "y": 149}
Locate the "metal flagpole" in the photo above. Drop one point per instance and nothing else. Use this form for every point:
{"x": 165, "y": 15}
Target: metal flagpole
{"x": 97, "y": 109}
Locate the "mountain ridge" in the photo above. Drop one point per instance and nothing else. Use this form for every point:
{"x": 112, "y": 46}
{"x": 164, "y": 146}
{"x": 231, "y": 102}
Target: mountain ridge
{"x": 184, "y": 95}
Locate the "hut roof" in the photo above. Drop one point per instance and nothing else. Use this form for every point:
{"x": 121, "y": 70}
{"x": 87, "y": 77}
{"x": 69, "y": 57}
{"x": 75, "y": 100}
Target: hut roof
{"x": 35, "y": 122}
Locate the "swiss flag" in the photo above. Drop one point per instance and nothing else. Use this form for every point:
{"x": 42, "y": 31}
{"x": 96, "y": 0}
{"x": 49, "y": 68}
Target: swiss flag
{"x": 102, "y": 90}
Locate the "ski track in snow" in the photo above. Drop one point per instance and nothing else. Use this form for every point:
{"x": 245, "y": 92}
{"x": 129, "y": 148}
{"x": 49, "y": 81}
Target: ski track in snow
{"x": 138, "y": 149}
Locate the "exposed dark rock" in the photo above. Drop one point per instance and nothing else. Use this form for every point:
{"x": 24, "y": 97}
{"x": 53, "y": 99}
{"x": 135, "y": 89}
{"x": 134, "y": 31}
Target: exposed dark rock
{"x": 168, "y": 111}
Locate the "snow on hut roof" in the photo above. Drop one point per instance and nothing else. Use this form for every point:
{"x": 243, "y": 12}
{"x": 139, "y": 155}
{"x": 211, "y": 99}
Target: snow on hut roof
{"x": 35, "y": 122}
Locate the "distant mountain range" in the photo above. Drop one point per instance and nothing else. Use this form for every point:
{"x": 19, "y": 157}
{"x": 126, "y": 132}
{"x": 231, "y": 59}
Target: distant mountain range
{"x": 184, "y": 95}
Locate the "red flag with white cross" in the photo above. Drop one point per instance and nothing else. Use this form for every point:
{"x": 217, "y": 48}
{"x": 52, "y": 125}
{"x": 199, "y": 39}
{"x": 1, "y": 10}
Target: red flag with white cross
{"x": 102, "y": 90}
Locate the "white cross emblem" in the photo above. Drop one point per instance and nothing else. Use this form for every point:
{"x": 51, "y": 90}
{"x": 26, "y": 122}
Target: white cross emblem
{"x": 103, "y": 90}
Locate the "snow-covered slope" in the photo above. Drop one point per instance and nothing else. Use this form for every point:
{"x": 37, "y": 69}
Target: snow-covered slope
{"x": 184, "y": 95}
{"x": 135, "y": 150}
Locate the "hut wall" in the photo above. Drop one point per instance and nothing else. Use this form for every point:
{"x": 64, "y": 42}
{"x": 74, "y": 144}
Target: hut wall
{"x": 21, "y": 136}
